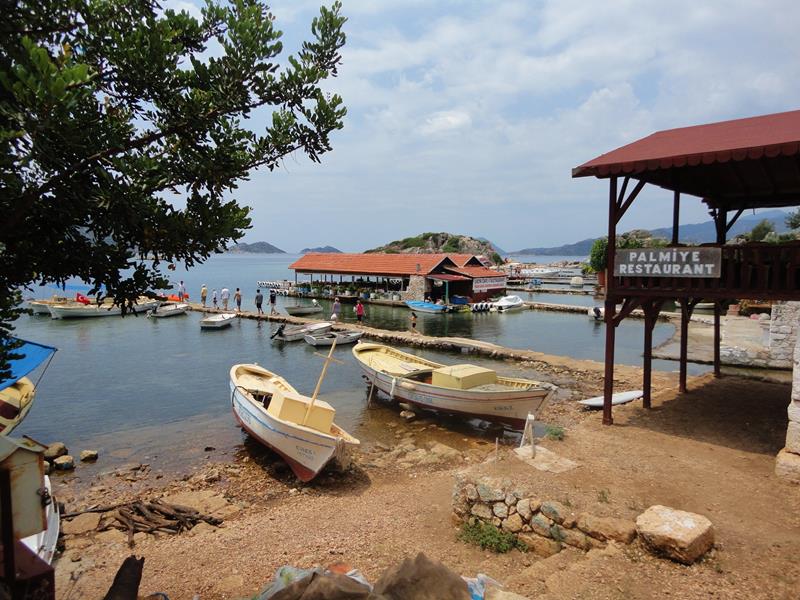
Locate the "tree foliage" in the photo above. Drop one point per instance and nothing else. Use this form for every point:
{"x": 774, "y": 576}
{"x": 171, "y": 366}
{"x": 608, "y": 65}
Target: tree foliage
{"x": 793, "y": 220}
{"x": 760, "y": 230}
{"x": 124, "y": 133}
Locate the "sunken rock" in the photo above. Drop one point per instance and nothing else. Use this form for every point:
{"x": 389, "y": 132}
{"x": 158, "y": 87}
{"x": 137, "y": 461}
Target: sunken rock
{"x": 787, "y": 466}
{"x": 55, "y": 450}
{"x": 676, "y": 534}
{"x": 81, "y": 524}
{"x": 513, "y": 524}
{"x": 541, "y": 546}
{"x": 554, "y": 510}
{"x": 607, "y": 528}
{"x": 64, "y": 463}
{"x": 89, "y": 455}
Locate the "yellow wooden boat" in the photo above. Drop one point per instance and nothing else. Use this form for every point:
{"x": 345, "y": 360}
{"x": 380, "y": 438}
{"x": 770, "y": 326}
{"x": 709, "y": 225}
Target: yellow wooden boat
{"x": 15, "y": 402}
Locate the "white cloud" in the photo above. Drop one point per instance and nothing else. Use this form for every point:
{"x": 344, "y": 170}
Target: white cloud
{"x": 445, "y": 121}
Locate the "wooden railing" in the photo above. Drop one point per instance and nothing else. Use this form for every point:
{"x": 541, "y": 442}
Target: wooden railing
{"x": 758, "y": 270}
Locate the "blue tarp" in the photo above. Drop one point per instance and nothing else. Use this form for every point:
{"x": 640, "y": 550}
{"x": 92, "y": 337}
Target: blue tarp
{"x": 33, "y": 355}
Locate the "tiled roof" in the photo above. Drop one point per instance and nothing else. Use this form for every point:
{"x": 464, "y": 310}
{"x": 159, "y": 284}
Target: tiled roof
{"x": 376, "y": 264}
{"x": 474, "y": 272}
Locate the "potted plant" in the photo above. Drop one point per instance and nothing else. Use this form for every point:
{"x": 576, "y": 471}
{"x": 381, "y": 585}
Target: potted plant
{"x": 598, "y": 259}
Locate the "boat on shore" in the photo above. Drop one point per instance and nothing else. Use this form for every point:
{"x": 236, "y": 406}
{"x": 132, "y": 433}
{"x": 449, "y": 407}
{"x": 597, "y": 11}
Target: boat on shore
{"x": 17, "y": 392}
{"x": 509, "y": 303}
{"x": 426, "y": 307}
{"x": 80, "y": 310}
{"x": 292, "y": 333}
{"x": 44, "y": 543}
{"x": 464, "y": 389}
{"x": 217, "y": 321}
{"x": 168, "y": 310}
{"x": 299, "y": 428}
{"x": 328, "y": 338}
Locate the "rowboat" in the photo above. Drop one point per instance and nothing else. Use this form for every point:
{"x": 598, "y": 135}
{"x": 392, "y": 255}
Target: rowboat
{"x": 327, "y": 339}
{"x": 303, "y": 310}
{"x": 292, "y": 333}
{"x": 217, "y": 321}
{"x": 168, "y": 310}
{"x": 509, "y": 303}
{"x": 78, "y": 310}
{"x": 464, "y": 389}
{"x": 17, "y": 391}
{"x": 300, "y": 429}
{"x": 43, "y": 544}
{"x": 426, "y": 307}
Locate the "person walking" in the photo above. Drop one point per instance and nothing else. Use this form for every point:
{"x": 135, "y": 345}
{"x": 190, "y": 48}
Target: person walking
{"x": 214, "y": 297}
{"x": 259, "y": 302}
{"x": 225, "y": 295}
{"x": 203, "y": 294}
{"x": 237, "y": 297}
{"x": 359, "y": 311}
{"x": 273, "y": 299}
{"x": 413, "y": 319}
{"x": 337, "y": 309}
{"x": 181, "y": 291}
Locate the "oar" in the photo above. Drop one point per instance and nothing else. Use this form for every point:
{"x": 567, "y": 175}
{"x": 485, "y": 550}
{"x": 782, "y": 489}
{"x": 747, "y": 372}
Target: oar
{"x": 328, "y": 360}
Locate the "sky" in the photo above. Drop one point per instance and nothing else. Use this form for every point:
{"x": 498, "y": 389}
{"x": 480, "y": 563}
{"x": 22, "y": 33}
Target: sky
{"x": 468, "y": 117}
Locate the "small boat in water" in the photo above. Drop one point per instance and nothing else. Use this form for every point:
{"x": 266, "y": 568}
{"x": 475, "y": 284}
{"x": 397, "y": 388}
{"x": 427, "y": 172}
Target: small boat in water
{"x": 81, "y": 310}
{"x": 299, "y": 428}
{"x": 464, "y": 389}
{"x": 292, "y": 333}
{"x": 311, "y": 309}
{"x": 17, "y": 391}
{"x": 168, "y": 310}
{"x": 44, "y": 543}
{"x": 42, "y": 307}
{"x": 541, "y": 272}
{"x": 426, "y": 307}
{"x": 328, "y": 338}
{"x": 509, "y": 303}
{"x": 217, "y": 321}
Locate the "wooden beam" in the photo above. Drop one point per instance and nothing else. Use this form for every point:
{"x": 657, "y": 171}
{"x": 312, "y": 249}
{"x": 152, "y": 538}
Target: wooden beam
{"x": 608, "y": 382}
{"x": 628, "y": 306}
{"x": 623, "y": 208}
{"x": 733, "y": 220}
{"x": 676, "y": 211}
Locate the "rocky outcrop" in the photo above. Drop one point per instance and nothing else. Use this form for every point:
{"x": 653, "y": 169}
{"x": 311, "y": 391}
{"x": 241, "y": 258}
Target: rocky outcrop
{"x": 676, "y": 534}
{"x": 437, "y": 243}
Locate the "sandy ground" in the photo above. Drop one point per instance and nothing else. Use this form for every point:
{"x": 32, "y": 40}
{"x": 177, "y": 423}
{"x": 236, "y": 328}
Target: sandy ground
{"x": 710, "y": 451}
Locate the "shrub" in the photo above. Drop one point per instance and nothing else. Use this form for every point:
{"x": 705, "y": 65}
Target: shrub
{"x": 453, "y": 245}
{"x": 489, "y": 537}
{"x": 554, "y": 432}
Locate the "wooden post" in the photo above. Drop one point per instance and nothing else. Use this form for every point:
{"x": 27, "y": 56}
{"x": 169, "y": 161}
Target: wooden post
{"x": 685, "y": 314}
{"x": 676, "y": 211}
{"x": 649, "y": 322}
{"x": 610, "y": 304}
{"x": 319, "y": 382}
{"x": 717, "y": 338}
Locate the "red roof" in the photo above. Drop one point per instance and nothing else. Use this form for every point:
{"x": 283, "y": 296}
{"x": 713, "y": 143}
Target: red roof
{"x": 448, "y": 277}
{"x": 755, "y": 137}
{"x": 376, "y": 264}
{"x": 473, "y": 272}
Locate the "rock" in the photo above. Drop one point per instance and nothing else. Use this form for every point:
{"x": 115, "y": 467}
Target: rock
{"x": 607, "y": 528}
{"x": 202, "y": 528}
{"x": 540, "y": 546}
{"x": 497, "y": 521}
{"x": 48, "y": 468}
{"x": 526, "y": 528}
{"x": 89, "y": 455}
{"x": 793, "y": 437}
{"x": 513, "y": 524}
{"x": 524, "y": 509}
{"x": 55, "y": 450}
{"x": 77, "y": 543}
{"x": 471, "y": 492}
{"x": 554, "y": 510}
{"x": 81, "y": 524}
{"x": 417, "y": 455}
{"x": 482, "y": 511}
{"x": 112, "y": 536}
{"x": 573, "y": 537}
{"x": 679, "y": 535}
{"x": 445, "y": 451}
{"x": 489, "y": 493}
{"x": 541, "y": 525}
{"x": 64, "y": 463}
{"x": 511, "y": 498}
{"x": 408, "y": 415}
{"x": 500, "y": 509}
{"x": 787, "y": 465}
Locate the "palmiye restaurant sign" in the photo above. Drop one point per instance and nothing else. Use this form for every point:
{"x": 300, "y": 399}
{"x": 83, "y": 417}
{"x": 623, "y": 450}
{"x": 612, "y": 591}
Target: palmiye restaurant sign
{"x": 668, "y": 262}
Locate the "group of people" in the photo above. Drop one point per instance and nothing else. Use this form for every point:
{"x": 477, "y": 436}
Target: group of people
{"x": 225, "y": 296}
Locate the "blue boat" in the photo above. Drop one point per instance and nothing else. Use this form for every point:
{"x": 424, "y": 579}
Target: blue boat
{"x": 428, "y": 307}
{"x": 17, "y": 391}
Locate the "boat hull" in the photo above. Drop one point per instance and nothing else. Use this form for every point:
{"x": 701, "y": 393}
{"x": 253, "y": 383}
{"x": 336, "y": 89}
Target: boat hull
{"x": 92, "y": 311}
{"x": 44, "y": 543}
{"x": 302, "y": 310}
{"x": 426, "y": 307}
{"x": 341, "y": 338}
{"x": 217, "y": 323}
{"x": 15, "y": 403}
{"x": 292, "y": 334}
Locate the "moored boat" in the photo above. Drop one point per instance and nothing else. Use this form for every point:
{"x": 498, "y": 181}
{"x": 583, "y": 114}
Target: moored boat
{"x": 42, "y": 307}
{"x": 426, "y": 307}
{"x": 217, "y": 321}
{"x": 168, "y": 310}
{"x": 328, "y": 338}
{"x": 300, "y": 429}
{"x": 79, "y": 310}
{"x": 17, "y": 392}
{"x": 541, "y": 272}
{"x": 299, "y": 309}
{"x": 464, "y": 389}
{"x": 292, "y": 333}
{"x": 509, "y": 303}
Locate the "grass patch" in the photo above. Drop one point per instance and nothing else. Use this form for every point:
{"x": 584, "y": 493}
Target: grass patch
{"x": 489, "y": 537}
{"x": 554, "y": 432}
{"x": 604, "y": 496}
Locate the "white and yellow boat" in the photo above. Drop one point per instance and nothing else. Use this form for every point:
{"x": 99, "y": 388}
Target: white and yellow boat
{"x": 465, "y": 389}
{"x": 17, "y": 391}
{"x": 299, "y": 428}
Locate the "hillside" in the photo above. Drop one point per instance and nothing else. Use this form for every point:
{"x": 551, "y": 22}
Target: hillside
{"x": 255, "y": 248}
{"x": 436, "y": 243}
{"x": 691, "y": 233}
{"x": 322, "y": 249}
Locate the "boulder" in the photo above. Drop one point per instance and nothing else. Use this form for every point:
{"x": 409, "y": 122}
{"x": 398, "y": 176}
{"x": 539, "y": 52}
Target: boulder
{"x": 541, "y": 525}
{"x": 482, "y": 511}
{"x": 490, "y": 493}
{"x": 500, "y": 509}
{"x": 89, "y": 455}
{"x": 81, "y": 524}
{"x": 793, "y": 437}
{"x": 524, "y": 509}
{"x": 554, "y": 510}
{"x": 676, "y": 534}
{"x": 540, "y": 546}
{"x": 513, "y": 524}
{"x": 55, "y": 450}
{"x": 445, "y": 451}
{"x": 64, "y": 463}
{"x": 787, "y": 466}
{"x": 607, "y": 528}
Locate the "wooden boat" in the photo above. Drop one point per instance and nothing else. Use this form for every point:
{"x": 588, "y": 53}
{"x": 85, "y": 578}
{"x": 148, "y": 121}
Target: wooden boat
{"x": 462, "y": 389}
{"x": 78, "y": 310}
{"x": 43, "y": 544}
{"x": 426, "y": 307}
{"x": 328, "y": 338}
{"x": 42, "y": 307}
{"x": 217, "y": 321}
{"x": 299, "y": 428}
{"x": 168, "y": 310}
{"x": 292, "y": 333}
{"x": 619, "y": 398}
{"x": 509, "y": 303}
{"x": 541, "y": 272}
{"x": 17, "y": 392}
{"x": 303, "y": 310}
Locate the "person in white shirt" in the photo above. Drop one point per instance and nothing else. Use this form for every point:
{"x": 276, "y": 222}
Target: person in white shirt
{"x": 224, "y": 295}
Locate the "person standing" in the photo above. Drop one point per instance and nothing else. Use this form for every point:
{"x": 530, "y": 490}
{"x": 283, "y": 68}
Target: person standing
{"x": 259, "y": 302}
{"x": 203, "y": 294}
{"x": 214, "y": 297}
{"x": 237, "y": 297}
{"x": 273, "y": 299}
{"x": 337, "y": 308}
{"x": 359, "y": 311}
{"x": 181, "y": 291}
{"x": 225, "y": 295}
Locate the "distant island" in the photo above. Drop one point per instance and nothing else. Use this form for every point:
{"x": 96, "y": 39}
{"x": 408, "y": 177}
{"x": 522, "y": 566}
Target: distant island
{"x": 437, "y": 243}
{"x": 255, "y": 248}
{"x": 322, "y": 249}
{"x": 695, "y": 233}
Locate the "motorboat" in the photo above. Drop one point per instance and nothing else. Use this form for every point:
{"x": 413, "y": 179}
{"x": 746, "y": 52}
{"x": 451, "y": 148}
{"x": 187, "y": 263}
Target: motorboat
{"x": 426, "y": 307}
{"x": 81, "y": 310}
{"x": 464, "y": 389}
{"x": 44, "y": 543}
{"x": 298, "y": 310}
{"x": 17, "y": 391}
{"x": 170, "y": 309}
{"x": 509, "y": 303}
{"x": 292, "y": 333}
{"x": 541, "y": 272}
{"x": 328, "y": 338}
{"x": 217, "y": 321}
{"x": 299, "y": 428}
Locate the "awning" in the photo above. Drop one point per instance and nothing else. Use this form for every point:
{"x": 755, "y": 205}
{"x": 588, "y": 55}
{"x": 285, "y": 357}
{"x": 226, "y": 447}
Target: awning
{"x": 447, "y": 277}
{"x": 33, "y": 355}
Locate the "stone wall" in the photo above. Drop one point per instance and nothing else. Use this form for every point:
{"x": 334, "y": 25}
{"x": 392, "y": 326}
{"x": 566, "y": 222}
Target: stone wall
{"x": 787, "y": 465}
{"x": 415, "y": 289}
{"x": 780, "y": 335}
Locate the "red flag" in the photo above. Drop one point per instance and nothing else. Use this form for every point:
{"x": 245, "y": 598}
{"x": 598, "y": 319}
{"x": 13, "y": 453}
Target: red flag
{"x": 82, "y": 299}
